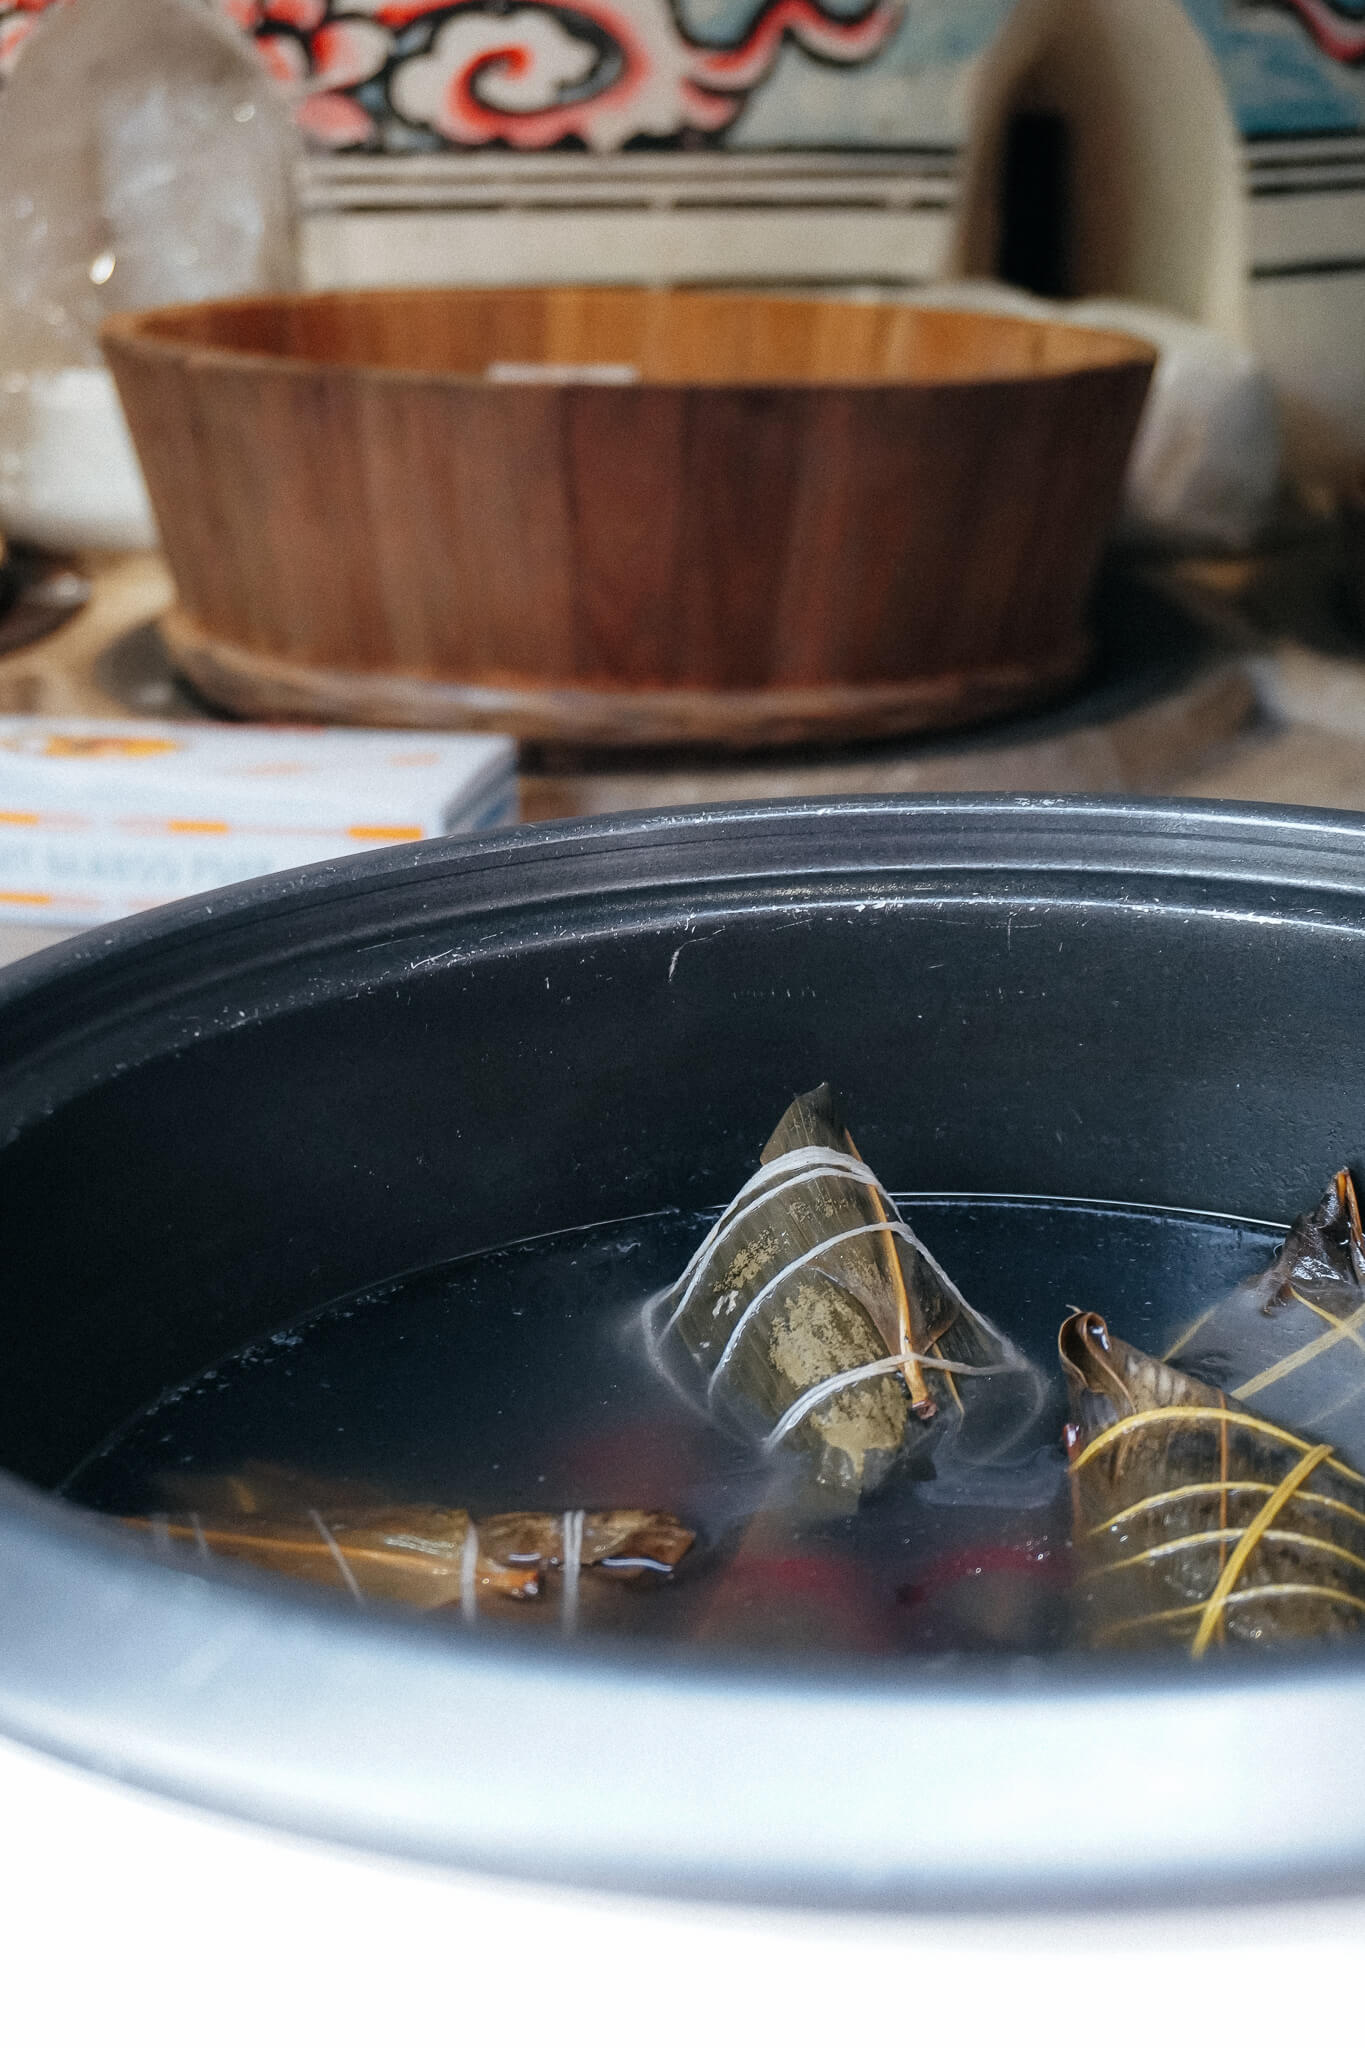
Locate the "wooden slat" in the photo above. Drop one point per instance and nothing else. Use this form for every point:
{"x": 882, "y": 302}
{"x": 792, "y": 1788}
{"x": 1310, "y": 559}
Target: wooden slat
{"x": 794, "y": 496}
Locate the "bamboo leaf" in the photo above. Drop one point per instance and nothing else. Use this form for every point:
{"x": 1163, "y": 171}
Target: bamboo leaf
{"x": 1196, "y": 1520}
{"x": 1290, "y": 1342}
{"x": 423, "y": 1556}
{"x": 812, "y": 1319}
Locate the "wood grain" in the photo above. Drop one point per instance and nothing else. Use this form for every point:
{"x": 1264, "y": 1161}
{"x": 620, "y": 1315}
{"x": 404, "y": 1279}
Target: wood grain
{"x": 895, "y": 510}
{"x": 262, "y": 686}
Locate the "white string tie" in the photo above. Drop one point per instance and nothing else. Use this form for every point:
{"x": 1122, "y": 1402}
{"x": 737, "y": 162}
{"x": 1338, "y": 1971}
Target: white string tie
{"x": 878, "y": 1368}
{"x": 572, "y": 1568}
{"x": 338, "y": 1558}
{"x": 792, "y": 1169}
{"x": 770, "y": 1287}
{"x": 767, "y": 1176}
{"x": 469, "y": 1573}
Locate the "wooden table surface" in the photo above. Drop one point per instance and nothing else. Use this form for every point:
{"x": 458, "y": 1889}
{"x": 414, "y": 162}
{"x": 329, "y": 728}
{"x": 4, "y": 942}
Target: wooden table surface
{"x": 1272, "y": 707}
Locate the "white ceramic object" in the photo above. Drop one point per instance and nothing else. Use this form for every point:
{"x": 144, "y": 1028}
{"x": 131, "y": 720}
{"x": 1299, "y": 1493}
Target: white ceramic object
{"x": 69, "y": 478}
{"x": 144, "y": 158}
{"x": 1205, "y": 468}
{"x": 1206, "y": 465}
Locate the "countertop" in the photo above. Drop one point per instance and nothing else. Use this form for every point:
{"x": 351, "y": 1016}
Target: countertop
{"x": 1222, "y": 678}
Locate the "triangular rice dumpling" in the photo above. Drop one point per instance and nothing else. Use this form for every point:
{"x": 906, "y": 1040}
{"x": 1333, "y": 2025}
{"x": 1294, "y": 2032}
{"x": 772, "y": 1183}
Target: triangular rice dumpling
{"x": 1290, "y": 1343}
{"x": 811, "y": 1319}
{"x": 1196, "y": 1522}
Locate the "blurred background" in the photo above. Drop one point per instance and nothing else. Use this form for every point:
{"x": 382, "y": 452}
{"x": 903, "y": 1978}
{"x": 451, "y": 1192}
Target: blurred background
{"x": 1186, "y": 173}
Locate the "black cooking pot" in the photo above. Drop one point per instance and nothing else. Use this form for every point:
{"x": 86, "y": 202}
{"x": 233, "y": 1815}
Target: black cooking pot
{"x": 220, "y": 1116}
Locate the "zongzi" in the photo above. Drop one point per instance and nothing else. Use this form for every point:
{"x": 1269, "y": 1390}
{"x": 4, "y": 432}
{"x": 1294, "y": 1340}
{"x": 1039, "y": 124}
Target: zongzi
{"x": 1196, "y": 1521}
{"x": 431, "y": 1557}
{"x": 811, "y": 1317}
{"x": 1290, "y": 1342}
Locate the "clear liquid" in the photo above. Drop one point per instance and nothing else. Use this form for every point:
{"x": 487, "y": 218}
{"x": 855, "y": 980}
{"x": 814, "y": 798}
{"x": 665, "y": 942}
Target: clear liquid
{"x": 517, "y": 1379}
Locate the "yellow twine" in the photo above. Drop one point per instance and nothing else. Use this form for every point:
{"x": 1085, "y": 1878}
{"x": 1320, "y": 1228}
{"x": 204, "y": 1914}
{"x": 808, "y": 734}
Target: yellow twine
{"x": 915, "y": 1384}
{"x": 1346, "y": 1326}
{"x": 1214, "y": 1486}
{"x": 1255, "y": 1425}
{"x": 1286, "y": 1589}
{"x": 1197, "y": 1539}
{"x": 1185, "y": 1335}
{"x": 1235, "y": 1565}
{"x": 1307, "y": 1352}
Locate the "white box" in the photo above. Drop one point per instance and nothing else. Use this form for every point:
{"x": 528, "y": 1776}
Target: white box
{"x": 102, "y": 817}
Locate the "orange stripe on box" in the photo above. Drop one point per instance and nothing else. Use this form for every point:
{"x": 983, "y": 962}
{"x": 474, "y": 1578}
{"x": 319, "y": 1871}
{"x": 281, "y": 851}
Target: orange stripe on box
{"x": 20, "y": 818}
{"x": 197, "y": 825}
{"x": 24, "y": 896}
{"x": 387, "y": 832}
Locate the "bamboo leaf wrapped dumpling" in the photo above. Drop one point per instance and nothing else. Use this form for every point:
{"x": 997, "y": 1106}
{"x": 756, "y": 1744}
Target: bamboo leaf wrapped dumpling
{"x": 417, "y": 1554}
{"x": 1196, "y": 1521}
{"x": 1290, "y": 1342}
{"x": 811, "y": 1319}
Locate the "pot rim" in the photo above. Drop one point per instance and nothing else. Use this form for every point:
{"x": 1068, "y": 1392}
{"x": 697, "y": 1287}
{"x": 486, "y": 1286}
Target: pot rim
{"x": 713, "y": 1776}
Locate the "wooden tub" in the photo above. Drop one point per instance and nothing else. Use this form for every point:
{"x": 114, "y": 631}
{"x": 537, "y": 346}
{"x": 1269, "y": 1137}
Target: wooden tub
{"x": 627, "y": 517}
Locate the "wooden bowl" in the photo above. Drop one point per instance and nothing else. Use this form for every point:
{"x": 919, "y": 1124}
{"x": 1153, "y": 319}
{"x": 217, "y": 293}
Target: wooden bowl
{"x": 627, "y": 518}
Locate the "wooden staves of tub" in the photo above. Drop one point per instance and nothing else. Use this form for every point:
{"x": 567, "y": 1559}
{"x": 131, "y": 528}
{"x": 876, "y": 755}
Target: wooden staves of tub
{"x": 627, "y": 517}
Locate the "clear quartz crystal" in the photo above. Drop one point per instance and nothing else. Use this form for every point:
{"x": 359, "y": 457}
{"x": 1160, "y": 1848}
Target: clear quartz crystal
{"x": 145, "y": 158}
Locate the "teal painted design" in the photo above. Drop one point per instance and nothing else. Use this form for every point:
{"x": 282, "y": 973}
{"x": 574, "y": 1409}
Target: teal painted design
{"x": 914, "y": 94}
{"x": 1279, "y": 79}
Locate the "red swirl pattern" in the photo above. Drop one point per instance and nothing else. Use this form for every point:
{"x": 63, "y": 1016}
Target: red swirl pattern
{"x": 401, "y": 74}
{"x": 1339, "y": 33}
{"x": 364, "y": 73}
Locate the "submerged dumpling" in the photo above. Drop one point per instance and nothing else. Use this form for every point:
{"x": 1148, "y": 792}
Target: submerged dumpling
{"x": 812, "y": 1319}
{"x": 1196, "y": 1521}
